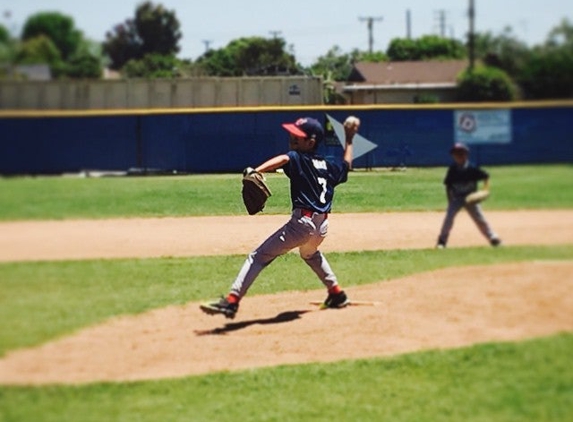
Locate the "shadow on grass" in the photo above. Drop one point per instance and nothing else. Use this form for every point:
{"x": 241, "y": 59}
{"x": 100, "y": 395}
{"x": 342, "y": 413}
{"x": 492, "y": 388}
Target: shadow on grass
{"x": 234, "y": 326}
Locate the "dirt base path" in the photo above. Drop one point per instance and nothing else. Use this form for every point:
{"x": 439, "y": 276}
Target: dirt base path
{"x": 438, "y": 309}
{"x": 156, "y": 237}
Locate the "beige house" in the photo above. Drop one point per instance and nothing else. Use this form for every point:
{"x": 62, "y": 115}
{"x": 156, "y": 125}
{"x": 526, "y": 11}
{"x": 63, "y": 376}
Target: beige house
{"x": 403, "y": 82}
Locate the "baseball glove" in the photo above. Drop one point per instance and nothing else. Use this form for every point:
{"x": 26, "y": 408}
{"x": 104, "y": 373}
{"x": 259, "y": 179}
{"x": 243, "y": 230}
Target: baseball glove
{"x": 477, "y": 197}
{"x": 255, "y": 191}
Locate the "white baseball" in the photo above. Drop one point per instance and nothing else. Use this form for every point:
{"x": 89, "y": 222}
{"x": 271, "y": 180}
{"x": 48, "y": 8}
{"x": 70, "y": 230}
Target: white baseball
{"x": 352, "y": 121}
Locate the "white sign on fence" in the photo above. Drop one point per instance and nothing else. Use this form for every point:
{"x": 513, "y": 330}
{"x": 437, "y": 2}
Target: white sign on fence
{"x": 482, "y": 126}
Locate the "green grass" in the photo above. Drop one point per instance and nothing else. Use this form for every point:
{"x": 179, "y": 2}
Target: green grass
{"x": 43, "y": 300}
{"x": 513, "y": 187}
{"x": 527, "y": 381}
{"x": 40, "y": 301}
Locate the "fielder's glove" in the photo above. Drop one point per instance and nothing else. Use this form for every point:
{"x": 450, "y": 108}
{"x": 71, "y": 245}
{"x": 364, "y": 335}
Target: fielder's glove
{"x": 255, "y": 191}
{"x": 477, "y": 197}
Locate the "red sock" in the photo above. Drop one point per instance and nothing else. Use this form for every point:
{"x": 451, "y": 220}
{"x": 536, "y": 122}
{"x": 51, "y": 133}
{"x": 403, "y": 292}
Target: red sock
{"x": 231, "y": 298}
{"x": 335, "y": 289}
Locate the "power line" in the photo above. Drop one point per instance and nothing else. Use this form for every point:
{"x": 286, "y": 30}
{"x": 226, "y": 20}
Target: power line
{"x": 370, "y": 23}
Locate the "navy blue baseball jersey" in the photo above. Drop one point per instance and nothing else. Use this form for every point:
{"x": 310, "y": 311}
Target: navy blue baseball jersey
{"x": 462, "y": 180}
{"x": 313, "y": 179}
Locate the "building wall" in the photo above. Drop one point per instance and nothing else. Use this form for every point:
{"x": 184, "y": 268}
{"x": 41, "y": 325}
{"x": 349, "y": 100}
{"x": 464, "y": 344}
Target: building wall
{"x": 226, "y": 140}
{"x": 159, "y": 93}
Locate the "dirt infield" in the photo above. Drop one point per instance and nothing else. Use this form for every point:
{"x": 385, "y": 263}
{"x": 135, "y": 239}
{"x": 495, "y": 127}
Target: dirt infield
{"x": 156, "y": 237}
{"x": 438, "y": 309}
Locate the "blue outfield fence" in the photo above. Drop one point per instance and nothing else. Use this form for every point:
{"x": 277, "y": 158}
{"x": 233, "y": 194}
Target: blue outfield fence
{"x": 227, "y": 140}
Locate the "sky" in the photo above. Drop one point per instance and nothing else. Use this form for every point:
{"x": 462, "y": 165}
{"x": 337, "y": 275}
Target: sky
{"x": 312, "y": 28}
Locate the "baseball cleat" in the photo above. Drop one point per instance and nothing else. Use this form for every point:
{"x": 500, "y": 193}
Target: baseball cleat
{"x": 222, "y": 307}
{"x": 336, "y": 300}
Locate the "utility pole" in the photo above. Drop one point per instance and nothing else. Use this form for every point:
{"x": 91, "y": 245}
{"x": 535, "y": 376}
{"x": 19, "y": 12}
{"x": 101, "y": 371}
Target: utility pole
{"x": 207, "y": 44}
{"x": 275, "y": 34}
{"x": 441, "y": 17}
{"x": 471, "y": 35}
{"x": 370, "y": 22}
{"x": 408, "y": 24}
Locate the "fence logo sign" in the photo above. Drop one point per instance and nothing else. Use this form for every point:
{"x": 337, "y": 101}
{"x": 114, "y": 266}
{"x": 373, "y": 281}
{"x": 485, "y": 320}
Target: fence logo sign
{"x": 482, "y": 126}
{"x": 294, "y": 89}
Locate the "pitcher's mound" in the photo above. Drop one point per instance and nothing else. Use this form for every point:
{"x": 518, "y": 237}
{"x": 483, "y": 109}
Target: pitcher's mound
{"x": 440, "y": 309}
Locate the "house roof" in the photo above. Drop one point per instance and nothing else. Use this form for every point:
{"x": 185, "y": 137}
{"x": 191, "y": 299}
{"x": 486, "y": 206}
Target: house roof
{"x": 407, "y": 73}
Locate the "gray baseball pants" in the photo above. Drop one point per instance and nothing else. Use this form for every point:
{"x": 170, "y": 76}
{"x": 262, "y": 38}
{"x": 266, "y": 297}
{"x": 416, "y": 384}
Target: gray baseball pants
{"x": 305, "y": 232}
{"x": 455, "y": 204}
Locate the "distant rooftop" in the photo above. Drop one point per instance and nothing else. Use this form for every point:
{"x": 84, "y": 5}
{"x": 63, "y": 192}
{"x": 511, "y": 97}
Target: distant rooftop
{"x": 407, "y": 73}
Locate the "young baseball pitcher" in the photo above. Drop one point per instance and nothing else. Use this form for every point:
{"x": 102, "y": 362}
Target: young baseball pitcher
{"x": 461, "y": 180}
{"x": 312, "y": 182}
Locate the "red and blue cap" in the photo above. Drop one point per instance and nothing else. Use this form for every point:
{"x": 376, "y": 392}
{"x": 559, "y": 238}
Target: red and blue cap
{"x": 306, "y": 127}
{"x": 459, "y": 146}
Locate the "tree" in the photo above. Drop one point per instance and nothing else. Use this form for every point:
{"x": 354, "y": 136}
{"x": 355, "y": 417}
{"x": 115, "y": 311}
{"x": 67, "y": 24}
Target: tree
{"x": 561, "y": 36}
{"x": 548, "y": 72}
{"x": 154, "y": 30}
{"x": 425, "y": 48}
{"x": 374, "y": 57}
{"x": 40, "y": 49}
{"x": 402, "y": 49}
{"x": 51, "y": 38}
{"x": 250, "y": 56}
{"x": 335, "y": 66}
{"x": 81, "y": 66}
{"x": 218, "y": 63}
{"x": 262, "y": 56}
{"x": 122, "y": 44}
{"x": 503, "y": 51}
{"x": 4, "y": 35}
{"x": 485, "y": 84}
{"x": 152, "y": 66}
{"x": 6, "y": 48}
{"x": 57, "y": 27}
{"x": 548, "y": 75}
{"x": 158, "y": 29}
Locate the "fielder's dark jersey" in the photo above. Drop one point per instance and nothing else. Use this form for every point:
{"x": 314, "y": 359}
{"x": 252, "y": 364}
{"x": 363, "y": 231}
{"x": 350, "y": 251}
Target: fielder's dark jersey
{"x": 462, "y": 180}
{"x": 312, "y": 180}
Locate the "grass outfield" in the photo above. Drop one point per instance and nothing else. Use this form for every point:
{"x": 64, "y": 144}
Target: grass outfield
{"x": 39, "y": 301}
{"x": 513, "y": 382}
{"x": 513, "y": 187}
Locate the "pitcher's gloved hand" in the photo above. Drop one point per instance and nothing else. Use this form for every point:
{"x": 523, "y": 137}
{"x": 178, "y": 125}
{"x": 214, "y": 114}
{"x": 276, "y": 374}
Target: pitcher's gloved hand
{"x": 255, "y": 191}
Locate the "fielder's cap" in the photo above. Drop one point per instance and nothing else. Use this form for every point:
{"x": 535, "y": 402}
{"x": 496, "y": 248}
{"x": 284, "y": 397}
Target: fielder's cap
{"x": 306, "y": 127}
{"x": 459, "y": 146}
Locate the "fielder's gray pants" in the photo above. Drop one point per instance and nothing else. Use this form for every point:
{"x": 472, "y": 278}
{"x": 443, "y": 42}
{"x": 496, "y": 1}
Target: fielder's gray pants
{"x": 455, "y": 204}
{"x": 305, "y": 233}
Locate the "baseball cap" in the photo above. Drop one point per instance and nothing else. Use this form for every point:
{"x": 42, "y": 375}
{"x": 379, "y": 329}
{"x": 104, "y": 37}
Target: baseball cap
{"x": 458, "y": 146}
{"x": 307, "y": 127}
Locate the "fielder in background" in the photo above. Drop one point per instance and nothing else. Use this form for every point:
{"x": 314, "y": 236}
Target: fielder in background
{"x": 312, "y": 182}
{"x": 461, "y": 184}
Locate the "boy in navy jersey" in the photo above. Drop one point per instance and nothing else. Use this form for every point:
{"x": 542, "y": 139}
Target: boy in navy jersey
{"x": 461, "y": 180}
{"x": 312, "y": 182}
